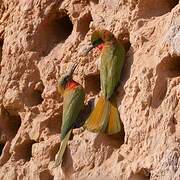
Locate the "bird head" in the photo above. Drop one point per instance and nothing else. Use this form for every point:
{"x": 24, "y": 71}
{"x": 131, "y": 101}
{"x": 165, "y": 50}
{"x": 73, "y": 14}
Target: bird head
{"x": 99, "y": 37}
{"x": 64, "y": 79}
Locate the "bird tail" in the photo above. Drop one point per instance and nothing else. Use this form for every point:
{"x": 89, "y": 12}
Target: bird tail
{"x": 60, "y": 153}
{"x": 105, "y": 117}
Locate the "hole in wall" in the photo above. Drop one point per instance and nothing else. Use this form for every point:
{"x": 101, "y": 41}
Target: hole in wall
{"x": 66, "y": 27}
{"x": 5, "y": 152}
{"x": 24, "y": 150}
{"x": 95, "y": 1}
{"x": 92, "y": 84}
{"x": 1, "y": 46}
{"x": 45, "y": 175}
{"x": 9, "y": 124}
{"x": 37, "y": 95}
{"x": 1, "y": 147}
{"x": 169, "y": 68}
{"x": 53, "y": 32}
{"x": 173, "y": 3}
{"x": 143, "y": 174}
{"x": 34, "y": 97}
{"x": 14, "y": 124}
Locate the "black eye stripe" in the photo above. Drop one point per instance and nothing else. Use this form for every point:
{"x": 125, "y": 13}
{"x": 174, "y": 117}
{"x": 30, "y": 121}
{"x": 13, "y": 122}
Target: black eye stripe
{"x": 97, "y": 42}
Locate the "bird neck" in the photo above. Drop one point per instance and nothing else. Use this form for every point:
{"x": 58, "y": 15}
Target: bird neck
{"x": 71, "y": 85}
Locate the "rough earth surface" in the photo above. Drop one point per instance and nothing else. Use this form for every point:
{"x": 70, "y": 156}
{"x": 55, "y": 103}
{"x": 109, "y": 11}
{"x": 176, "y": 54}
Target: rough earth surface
{"x": 40, "y": 39}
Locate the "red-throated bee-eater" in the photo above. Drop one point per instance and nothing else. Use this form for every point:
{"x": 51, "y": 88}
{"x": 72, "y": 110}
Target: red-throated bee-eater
{"x": 105, "y": 116}
{"x": 73, "y": 102}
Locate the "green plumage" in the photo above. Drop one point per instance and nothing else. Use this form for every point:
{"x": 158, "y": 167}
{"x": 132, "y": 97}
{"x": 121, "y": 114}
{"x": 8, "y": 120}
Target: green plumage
{"x": 72, "y": 105}
{"x": 112, "y": 61}
{"x": 105, "y": 116}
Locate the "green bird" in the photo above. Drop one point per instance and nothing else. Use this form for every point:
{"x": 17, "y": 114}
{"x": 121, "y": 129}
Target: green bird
{"x": 73, "y": 103}
{"x": 105, "y": 116}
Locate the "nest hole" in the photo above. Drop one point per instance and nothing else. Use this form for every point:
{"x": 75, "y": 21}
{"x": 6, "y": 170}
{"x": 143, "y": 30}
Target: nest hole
{"x": 9, "y": 125}
{"x": 24, "y": 150}
{"x": 1, "y": 147}
{"x": 1, "y": 46}
{"x": 95, "y": 1}
{"x": 173, "y": 3}
{"x": 45, "y": 175}
{"x": 168, "y": 68}
{"x": 53, "y": 32}
{"x": 92, "y": 84}
{"x": 14, "y": 124}
{"x": 35, "y": 98}
{"x": 143, "y": 174}
{"x": 65, "y": 27}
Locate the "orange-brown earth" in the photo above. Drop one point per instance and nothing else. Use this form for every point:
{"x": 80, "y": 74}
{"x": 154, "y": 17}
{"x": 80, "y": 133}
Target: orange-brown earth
{"x": 39, "y": 39}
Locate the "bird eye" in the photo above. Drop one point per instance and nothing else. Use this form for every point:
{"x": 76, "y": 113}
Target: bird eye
{"x": 97, "y": 42}
{"x": 66, "y": 79}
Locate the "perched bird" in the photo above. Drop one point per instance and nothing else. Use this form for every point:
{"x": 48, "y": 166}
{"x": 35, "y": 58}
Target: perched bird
{"x": 73, "y": 102}
{"x": 105, "y": 116}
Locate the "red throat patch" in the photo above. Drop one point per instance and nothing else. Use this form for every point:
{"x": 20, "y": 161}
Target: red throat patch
{"x": 100, "y": 46}
{"x": 72, "y": 84}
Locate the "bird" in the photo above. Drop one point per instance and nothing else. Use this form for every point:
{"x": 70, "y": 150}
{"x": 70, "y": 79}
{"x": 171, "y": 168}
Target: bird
{"x": 73, "y": 103}
{"x": 105, "y": 117}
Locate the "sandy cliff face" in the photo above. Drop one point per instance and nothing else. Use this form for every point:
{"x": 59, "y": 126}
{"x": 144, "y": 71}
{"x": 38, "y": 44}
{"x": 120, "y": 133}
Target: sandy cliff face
{"x": 39, "y": 39}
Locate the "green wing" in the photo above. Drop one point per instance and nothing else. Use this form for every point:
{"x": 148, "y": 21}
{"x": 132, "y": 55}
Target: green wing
{"x": 112, "y": 61}
{"x": 73, "y": 104}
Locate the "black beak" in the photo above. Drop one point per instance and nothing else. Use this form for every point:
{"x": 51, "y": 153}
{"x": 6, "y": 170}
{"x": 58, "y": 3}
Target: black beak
{"x": 71, "y": 71}
{"x": 87, "y": 49}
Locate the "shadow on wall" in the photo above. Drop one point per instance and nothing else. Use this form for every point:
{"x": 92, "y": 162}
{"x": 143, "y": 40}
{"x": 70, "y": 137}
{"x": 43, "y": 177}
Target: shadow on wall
{"x": 169, "y": 68}
{"x": 24, "y": 150}
{"x": 45, "y": 175}
{"x": 92, "y": 84}
{"x": 83, "y": 25}
{"x": 126, "y": 68}
{"x": 1, "y": 45}
{"x": 143, "y": 174}
{"x": 9, "y": 126}
{"x": 154, "y": 8}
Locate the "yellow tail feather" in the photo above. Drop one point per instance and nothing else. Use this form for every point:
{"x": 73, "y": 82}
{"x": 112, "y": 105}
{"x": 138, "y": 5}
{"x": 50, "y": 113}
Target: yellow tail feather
{"x": 114, "y": 119}
{"x": 60, "y": 153}
{"x": 93, "y": 123}
{"x": 104, "y": 118}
